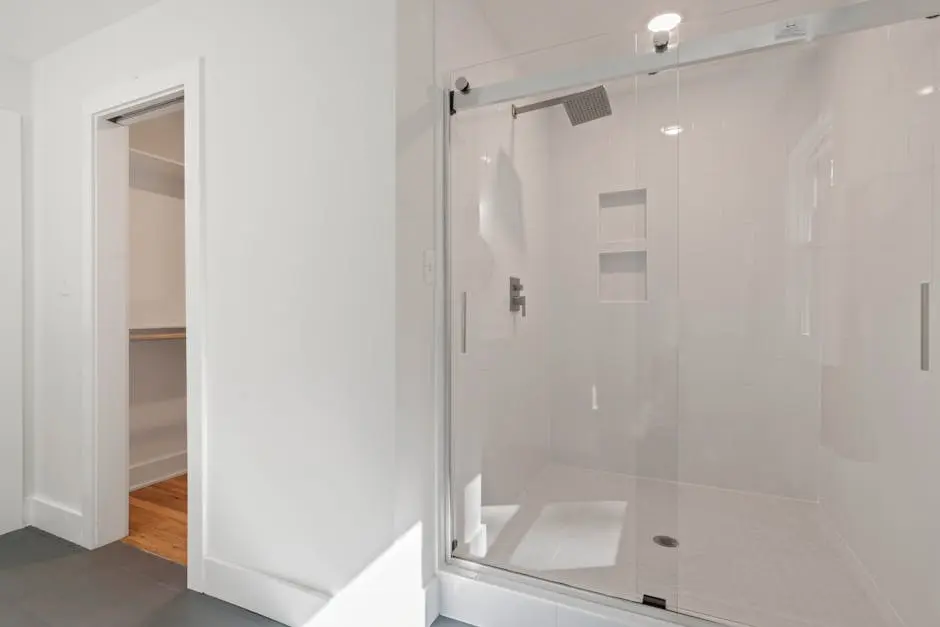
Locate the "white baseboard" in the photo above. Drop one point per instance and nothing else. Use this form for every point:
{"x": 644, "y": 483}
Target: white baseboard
{"x": 55, "y": 518}
{"x": 157, "y": 470}
{"x": 263, "y": 594}
{"x": 432, "y": 601}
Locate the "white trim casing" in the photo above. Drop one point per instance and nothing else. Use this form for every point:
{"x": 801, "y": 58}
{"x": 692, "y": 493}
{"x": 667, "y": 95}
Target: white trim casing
{"x": 12, "y": 442}
{"x": 432, "y": 601}
{"x": 55, "y": 518}
{"x": 841, "y": 20}
{"x": 102, "y": 497}
{"x": 273, "y": 597}
{"x": 156, "y": 470}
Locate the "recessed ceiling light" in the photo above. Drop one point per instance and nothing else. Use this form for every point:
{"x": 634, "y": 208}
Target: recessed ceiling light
{"x": 664, "y": 23}
{"x": 672, "y": 130}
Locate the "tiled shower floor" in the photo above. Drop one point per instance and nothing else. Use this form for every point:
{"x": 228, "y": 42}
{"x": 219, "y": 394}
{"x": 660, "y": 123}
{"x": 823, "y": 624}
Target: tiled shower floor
{"x": 743, "y": 558}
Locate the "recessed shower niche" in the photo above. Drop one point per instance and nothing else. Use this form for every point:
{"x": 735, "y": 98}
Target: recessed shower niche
{"x": 622, "y": 247}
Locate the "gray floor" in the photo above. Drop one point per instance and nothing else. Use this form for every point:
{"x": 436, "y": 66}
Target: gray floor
{"x": 48, "y": 582}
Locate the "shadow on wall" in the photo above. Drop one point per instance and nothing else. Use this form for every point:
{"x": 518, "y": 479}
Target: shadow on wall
{"x": 501, "y": 217}
{"x": 389, "y": 591}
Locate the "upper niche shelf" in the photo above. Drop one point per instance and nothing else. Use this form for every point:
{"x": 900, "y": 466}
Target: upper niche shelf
{"x": 621, "y": 216}
{"x": 622, "y": 247}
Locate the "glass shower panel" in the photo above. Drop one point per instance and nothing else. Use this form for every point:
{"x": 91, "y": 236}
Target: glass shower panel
{"x": 563, "y": 293}
{"x": 805, "y": 223}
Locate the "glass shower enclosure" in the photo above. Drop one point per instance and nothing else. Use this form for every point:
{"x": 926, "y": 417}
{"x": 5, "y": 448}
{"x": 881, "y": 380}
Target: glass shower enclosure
{"x": 689, "y": 324}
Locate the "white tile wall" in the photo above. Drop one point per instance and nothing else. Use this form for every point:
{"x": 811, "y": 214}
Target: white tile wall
{"x": 879, "y": 429}
{"x": 720, "y": 255}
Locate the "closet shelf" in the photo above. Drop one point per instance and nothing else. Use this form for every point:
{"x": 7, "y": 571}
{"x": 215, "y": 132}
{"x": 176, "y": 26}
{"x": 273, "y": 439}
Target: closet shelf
{"x": 153, "y": 335}
{"x": 151, "y": 155}
{"x": 625, "y": 246}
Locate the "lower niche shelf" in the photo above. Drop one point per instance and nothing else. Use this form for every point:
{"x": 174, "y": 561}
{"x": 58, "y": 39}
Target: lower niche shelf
{"x": 155, "y": 335}
{"x": 622, "y": 277}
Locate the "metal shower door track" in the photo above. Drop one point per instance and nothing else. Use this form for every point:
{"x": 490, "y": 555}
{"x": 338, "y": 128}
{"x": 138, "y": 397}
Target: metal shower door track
{"x": 857, "y": 17}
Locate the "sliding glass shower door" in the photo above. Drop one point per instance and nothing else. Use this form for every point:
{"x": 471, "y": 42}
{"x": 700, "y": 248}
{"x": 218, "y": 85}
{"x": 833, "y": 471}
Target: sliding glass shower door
{"x": 806, "y": 404}
{"x": 691, "y": 357}
{"x": 564, "y": 364}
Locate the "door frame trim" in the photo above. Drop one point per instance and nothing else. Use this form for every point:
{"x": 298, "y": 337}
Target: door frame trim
{"x": 101, "y": 500}
{"x": 12, "y": 335}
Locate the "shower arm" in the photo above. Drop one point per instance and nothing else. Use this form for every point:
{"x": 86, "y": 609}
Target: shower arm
{"x": 545, "y": 104}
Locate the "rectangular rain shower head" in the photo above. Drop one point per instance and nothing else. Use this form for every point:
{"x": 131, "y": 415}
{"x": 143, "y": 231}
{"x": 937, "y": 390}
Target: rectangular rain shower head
{"x": 584, "y": 106}
{"x": 587, "y": 106}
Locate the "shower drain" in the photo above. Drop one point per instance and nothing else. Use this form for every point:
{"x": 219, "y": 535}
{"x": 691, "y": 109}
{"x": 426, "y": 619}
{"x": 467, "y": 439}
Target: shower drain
{"x": 667, "y": 541}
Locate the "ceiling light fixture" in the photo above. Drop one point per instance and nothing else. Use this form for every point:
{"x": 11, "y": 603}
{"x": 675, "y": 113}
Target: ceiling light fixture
{"x": 926, "y": 91}
{"x": 672, "y": 130}
{"x": 664, "y": 23}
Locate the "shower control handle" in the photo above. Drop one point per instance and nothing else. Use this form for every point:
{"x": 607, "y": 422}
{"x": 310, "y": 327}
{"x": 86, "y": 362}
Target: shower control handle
{"x": 516, "y": 299}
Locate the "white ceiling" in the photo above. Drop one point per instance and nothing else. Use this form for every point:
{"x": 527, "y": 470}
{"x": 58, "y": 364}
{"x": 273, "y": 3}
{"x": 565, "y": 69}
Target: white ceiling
{"x": 30, "y": 29}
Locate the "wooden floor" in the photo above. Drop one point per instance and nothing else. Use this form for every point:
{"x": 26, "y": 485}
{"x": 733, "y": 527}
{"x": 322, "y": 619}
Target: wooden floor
{"x": 158, "y": 519}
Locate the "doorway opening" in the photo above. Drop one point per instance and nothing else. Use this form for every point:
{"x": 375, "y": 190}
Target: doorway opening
{"x": 156, "y": 313}
{"x": 144, "y": 293}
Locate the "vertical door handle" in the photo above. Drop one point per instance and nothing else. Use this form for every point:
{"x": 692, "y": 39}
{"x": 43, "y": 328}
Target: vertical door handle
{"x": 925, "y": 326}
{"x": 463, "y": 323}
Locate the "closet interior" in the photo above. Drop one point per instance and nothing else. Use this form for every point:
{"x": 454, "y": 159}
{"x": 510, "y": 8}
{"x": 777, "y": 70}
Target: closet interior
{"x": 157, "y": 334}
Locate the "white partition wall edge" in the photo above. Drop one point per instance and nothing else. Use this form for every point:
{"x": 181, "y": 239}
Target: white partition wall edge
{"x": 11, "y": 323}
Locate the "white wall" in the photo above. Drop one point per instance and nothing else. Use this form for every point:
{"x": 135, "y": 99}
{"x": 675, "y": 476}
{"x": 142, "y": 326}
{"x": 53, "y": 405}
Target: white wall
{"x": 14, "y": 85}
{"x": 156, "y": 233}
{"x": 749, "y": 368}
{"x": 14, "y": 103}
{"x": 878, "y": 233}
{"x": 157, "y": 410}
{"x": 301, "y": 352}
{"x": 614, "y": 364}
